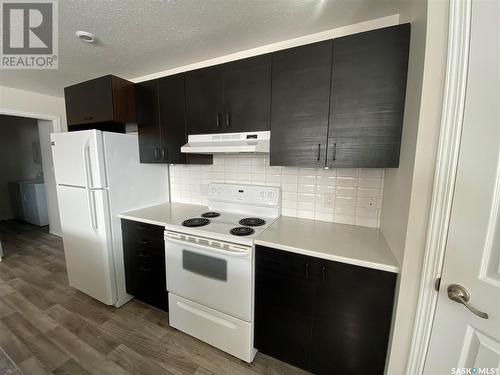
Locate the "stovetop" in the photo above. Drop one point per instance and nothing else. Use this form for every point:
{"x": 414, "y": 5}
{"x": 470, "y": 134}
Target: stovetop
{"x": 236, "y": 213}
{"x": 225, "y": 227}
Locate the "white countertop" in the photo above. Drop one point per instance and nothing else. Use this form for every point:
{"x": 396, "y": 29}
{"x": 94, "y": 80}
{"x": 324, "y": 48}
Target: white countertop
{"x": 163, "y": 214}
{"x": 350, "y": 244}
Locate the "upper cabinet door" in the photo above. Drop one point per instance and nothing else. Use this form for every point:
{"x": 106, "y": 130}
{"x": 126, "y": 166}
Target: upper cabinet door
{"x": 104, "y": 99}
{"x": 90, "y": 101}
{"x": 247, "y": 95}
{"x": 300, "y": 105}
{"x": 368, "y": 96}
{"x": 172, "y": 118}
{"x": 204, "y": 100}
{"x": 148, "y": 121}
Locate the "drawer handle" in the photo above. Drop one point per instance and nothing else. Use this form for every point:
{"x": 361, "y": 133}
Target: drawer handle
{"x": 144, "y": 269}
{"x": 144, "y": 242}
{"x": 88, "y": 117}
{"x": 144, "y": 255}
{"x": 142, "y": 226}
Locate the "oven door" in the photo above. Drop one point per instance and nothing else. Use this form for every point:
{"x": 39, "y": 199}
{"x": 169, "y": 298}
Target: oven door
{"x": 212, "y": 273}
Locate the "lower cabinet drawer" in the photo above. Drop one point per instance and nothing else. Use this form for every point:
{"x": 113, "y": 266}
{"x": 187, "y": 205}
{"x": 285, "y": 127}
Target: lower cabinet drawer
{"x": 144, "y": 260}
{"x": 225, "y": 332}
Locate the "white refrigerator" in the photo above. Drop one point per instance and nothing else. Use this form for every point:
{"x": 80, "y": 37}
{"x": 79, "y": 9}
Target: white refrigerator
{"x": 98, "y": 176}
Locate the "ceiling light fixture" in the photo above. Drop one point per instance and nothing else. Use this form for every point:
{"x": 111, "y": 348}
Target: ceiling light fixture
{"x": 86, "y": 36}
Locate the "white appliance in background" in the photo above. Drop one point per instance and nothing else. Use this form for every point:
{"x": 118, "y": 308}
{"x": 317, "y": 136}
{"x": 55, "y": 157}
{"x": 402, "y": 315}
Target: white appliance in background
{"x": 209, "y": 262}
{"x": 251, "y": 142}
{"x": 98, "y": 176}
{"x": 34, "y": 202}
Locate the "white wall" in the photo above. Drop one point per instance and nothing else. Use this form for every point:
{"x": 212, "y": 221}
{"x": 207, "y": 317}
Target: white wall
{"x": 17, "y": 135}
{"x": 45, "y": 127}
{"x": 31, "y": 104}
{"x": 356, "y": 194}
{"x": 408, "y": 189}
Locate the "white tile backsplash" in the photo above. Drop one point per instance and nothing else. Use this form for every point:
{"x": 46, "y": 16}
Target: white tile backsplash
{"x": 348, "y": 196}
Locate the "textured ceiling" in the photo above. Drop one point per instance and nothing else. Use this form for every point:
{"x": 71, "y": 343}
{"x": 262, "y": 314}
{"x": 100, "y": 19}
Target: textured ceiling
{"x": 139, "y": 37}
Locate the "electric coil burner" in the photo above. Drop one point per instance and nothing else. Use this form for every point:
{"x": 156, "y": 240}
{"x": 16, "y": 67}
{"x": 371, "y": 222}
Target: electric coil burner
{"x": 195, "y": 222}
{"x": 210, "y": 214}
{"x": 252, "y": 222}
{"x": 242, "y": 231}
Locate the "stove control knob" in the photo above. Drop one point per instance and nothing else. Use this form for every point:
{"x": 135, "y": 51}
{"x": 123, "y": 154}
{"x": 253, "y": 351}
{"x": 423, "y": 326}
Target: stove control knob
{"x": 219, "y": 190}
{"x": 270, "y": 194}
{"x": 263, "y": 194}
{"x": 214, "y": 189}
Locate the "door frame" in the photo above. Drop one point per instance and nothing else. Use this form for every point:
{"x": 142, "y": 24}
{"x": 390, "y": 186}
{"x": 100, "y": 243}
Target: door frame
{"x": 444, "y": 179}
{"x": 56, "y": 126}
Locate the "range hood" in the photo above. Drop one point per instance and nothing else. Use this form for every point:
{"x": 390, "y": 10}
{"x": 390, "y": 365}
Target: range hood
{"x": 251, "y": 142}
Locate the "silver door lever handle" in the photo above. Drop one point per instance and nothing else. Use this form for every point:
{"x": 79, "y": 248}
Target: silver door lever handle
{"x": 459, "y": 294}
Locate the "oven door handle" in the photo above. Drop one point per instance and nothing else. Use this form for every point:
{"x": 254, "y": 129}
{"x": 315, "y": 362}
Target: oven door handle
{"x": 238, "y": 254}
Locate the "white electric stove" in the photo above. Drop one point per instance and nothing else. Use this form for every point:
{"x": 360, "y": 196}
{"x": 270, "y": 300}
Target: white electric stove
{"x": 209, "y": 262}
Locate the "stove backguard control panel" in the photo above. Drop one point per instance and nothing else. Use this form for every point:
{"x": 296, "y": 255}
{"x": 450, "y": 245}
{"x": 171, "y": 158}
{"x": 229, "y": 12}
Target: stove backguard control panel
{"x": 244, "y": 194}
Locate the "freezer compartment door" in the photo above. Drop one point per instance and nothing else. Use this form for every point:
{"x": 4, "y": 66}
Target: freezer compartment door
{"x": 79, "y": 158}
{"x": 87, "y": 241}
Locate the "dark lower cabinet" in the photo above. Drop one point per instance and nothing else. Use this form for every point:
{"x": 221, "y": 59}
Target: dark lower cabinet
{"x": 144, "y": 257}
{"x": 284, "y": 305}
{"x": 323, "y": 316}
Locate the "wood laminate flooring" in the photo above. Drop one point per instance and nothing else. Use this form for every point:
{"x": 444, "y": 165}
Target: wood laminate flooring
{"x": 47, "y": 327}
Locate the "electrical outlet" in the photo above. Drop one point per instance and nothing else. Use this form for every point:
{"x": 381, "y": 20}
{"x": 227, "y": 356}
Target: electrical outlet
{"x": 329, "y": 199}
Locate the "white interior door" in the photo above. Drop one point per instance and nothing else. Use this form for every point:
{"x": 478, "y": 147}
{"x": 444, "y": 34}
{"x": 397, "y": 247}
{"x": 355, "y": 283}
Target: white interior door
{"x": 78, "y": 158}
{"x": 463, "y": 341}
{"x": 87, "y": 244}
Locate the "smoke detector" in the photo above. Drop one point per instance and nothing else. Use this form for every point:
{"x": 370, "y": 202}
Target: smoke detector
{"x": 86, "y": 36}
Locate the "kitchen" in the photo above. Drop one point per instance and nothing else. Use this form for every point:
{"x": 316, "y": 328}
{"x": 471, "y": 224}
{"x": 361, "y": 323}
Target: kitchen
{"x": 242, "y": 210}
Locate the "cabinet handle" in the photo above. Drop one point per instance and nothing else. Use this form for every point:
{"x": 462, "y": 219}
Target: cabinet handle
{"x": 157, "y": 153}
{"x": 88, "y": 118}
{"x": 319, "y": 151}
{"x": 307, "y": 271}
{"x": 164, "y": 153}
{"x": 218, "y": 120}
{"x": 144, "y": 242}
{"x": 334, "y": 152}
{"x": 323, "y": 271}
{"x": 228, "y": 119}
{"x": 144, "y": 269}
{"x": 144, "y": 255}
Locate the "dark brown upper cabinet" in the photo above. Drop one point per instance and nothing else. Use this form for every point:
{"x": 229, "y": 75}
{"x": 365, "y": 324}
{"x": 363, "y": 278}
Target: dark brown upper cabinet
{"x": 233, "y": 97}
{"x": 106, "y": 100}
{"x": 205, "y": 100}
{"x": 340, "y": 103}
{"x": 368, "y": 98}
{"x": 300, "y": 104}
{"x": 148, "y": 122}
{"x": 161, "y": 122}
{"x": 247, "y": 94}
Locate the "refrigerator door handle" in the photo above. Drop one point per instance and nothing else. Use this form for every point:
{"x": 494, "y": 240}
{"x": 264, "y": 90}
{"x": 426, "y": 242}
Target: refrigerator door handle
{"x": 87, "y": 166}
{"x": 88, "y": 186}
{"x": 92, "y": 210}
